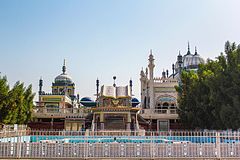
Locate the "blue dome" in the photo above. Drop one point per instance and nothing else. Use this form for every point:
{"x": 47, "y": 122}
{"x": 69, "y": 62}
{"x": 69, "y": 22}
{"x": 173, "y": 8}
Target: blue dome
{"x": 135, "y": 102}
{"x": 87, "y": 102}
{"x": 85, "y": 99}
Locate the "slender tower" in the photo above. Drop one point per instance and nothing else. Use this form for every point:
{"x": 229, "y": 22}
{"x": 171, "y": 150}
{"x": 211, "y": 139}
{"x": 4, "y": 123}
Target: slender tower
{"x": 130, "y": 84}
{"x": 151, "y": 82}
{"x": 142, "y": 80}
{"x": 40, "y": 86}
{"x": 180, "y": 63}
{"x": 97, "y": 85}
{"x": 40, "y": 92}
{"x": 173, "y": 67}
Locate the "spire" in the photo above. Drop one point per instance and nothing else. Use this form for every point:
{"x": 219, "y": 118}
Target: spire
{"x": 151, "y": 65}
{"x": 195, "y": 51}
{"x": 97, "y": 84}
{"x": 142, "y": 73}
{"x": 64, "y": 67}
{"x": 151, "y": 56}
{"x": 188, "y": 52}
{"x": 114, "y": 78}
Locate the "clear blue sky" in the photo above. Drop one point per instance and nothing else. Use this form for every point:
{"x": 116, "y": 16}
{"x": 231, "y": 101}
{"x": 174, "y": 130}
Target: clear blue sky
{"x": 102, "y": 38}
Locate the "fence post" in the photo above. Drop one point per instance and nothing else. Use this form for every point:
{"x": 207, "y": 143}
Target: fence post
{"x": 151, "y": 145}
{"x": 218, "y": 145}
{"x": 18, "y": 144}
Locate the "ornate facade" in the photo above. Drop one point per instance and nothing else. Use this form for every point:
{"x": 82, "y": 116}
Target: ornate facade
{"x": 59, "y": 109}
{"x": 158, "y": 94}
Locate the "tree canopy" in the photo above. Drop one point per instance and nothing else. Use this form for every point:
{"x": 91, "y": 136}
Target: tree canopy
{"x": 210, "y": 97}
{"x": 15, "y": 104}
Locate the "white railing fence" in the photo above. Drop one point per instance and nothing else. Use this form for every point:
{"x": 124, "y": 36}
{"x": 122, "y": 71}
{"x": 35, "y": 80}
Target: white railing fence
{"x": 172, "y": 144}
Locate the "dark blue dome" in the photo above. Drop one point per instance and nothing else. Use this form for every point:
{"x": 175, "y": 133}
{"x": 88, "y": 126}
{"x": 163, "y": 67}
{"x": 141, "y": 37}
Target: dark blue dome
{"x": 85, "y": 99}
{"x": 135, "y": 102}
{"x": 87, "y": 102}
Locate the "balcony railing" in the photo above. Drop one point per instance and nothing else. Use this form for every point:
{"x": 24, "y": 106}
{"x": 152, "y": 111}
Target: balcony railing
{"x": 59, "y": 112}
{"x": 159, "y": 111}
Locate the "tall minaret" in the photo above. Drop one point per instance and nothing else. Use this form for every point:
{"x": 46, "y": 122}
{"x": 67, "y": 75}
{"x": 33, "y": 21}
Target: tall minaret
{"x": 151, "y": 65}
{"x": 97, "y": 85}
{"x": 40, "y": 86}
{"x": 130, "y": 84}
{"x": 180, "y": 63}
{"x": 151, "y": 82}
{"x": 143, "y": 83}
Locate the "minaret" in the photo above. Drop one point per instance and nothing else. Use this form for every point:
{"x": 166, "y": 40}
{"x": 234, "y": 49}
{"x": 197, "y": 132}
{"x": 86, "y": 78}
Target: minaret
{"x": 151, "y": 65}
{"x": 163, "y": 74}
{"x": 146, "y": 72}
{"x": 40, "y": 86}
{"x": 180, "y": 62}
{"x": 173, "y": 67}
{"x": 143, "y": 83}
{"x": 142, "y": 73}
{"x": 97, "y": 85}
{"x": 64, "y": 67}
{"x": 151, "y": 81}
{"x": 167, "y": 73}
{"x": 130, "y": 84}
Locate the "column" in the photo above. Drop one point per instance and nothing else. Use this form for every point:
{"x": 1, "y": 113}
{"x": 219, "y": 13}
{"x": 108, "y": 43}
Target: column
{"x": 102, "y": 121}
{"x": 128, "y": 121}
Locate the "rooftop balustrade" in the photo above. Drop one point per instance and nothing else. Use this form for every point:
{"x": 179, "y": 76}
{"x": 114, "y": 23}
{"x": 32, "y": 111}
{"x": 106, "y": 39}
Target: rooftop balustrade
{"x": 159, "y": 113}
{"x": 44, "y": 112}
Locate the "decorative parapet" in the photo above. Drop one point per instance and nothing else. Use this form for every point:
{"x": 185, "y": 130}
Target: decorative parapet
{"x": 159, "y": 113}
{"x": 43, "y": 112}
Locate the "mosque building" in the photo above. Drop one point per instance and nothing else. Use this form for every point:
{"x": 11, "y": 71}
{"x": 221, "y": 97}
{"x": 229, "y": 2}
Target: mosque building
{"x": 115, "y": 108}
{"x": 60, "y": 108}
{"x": 158, "y": 94}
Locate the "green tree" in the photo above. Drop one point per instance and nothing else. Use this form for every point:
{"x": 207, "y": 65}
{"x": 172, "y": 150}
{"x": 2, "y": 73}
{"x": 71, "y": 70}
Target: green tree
{"x": 210, "y": 98}
{"x": 16, "y": 104}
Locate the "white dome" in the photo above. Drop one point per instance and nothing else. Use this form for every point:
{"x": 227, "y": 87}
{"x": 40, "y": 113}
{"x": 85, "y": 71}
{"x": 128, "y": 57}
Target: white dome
{"x": 192, "y": 61}
{"x": 187, "y": 60}
{"x": 196, "y": 60}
